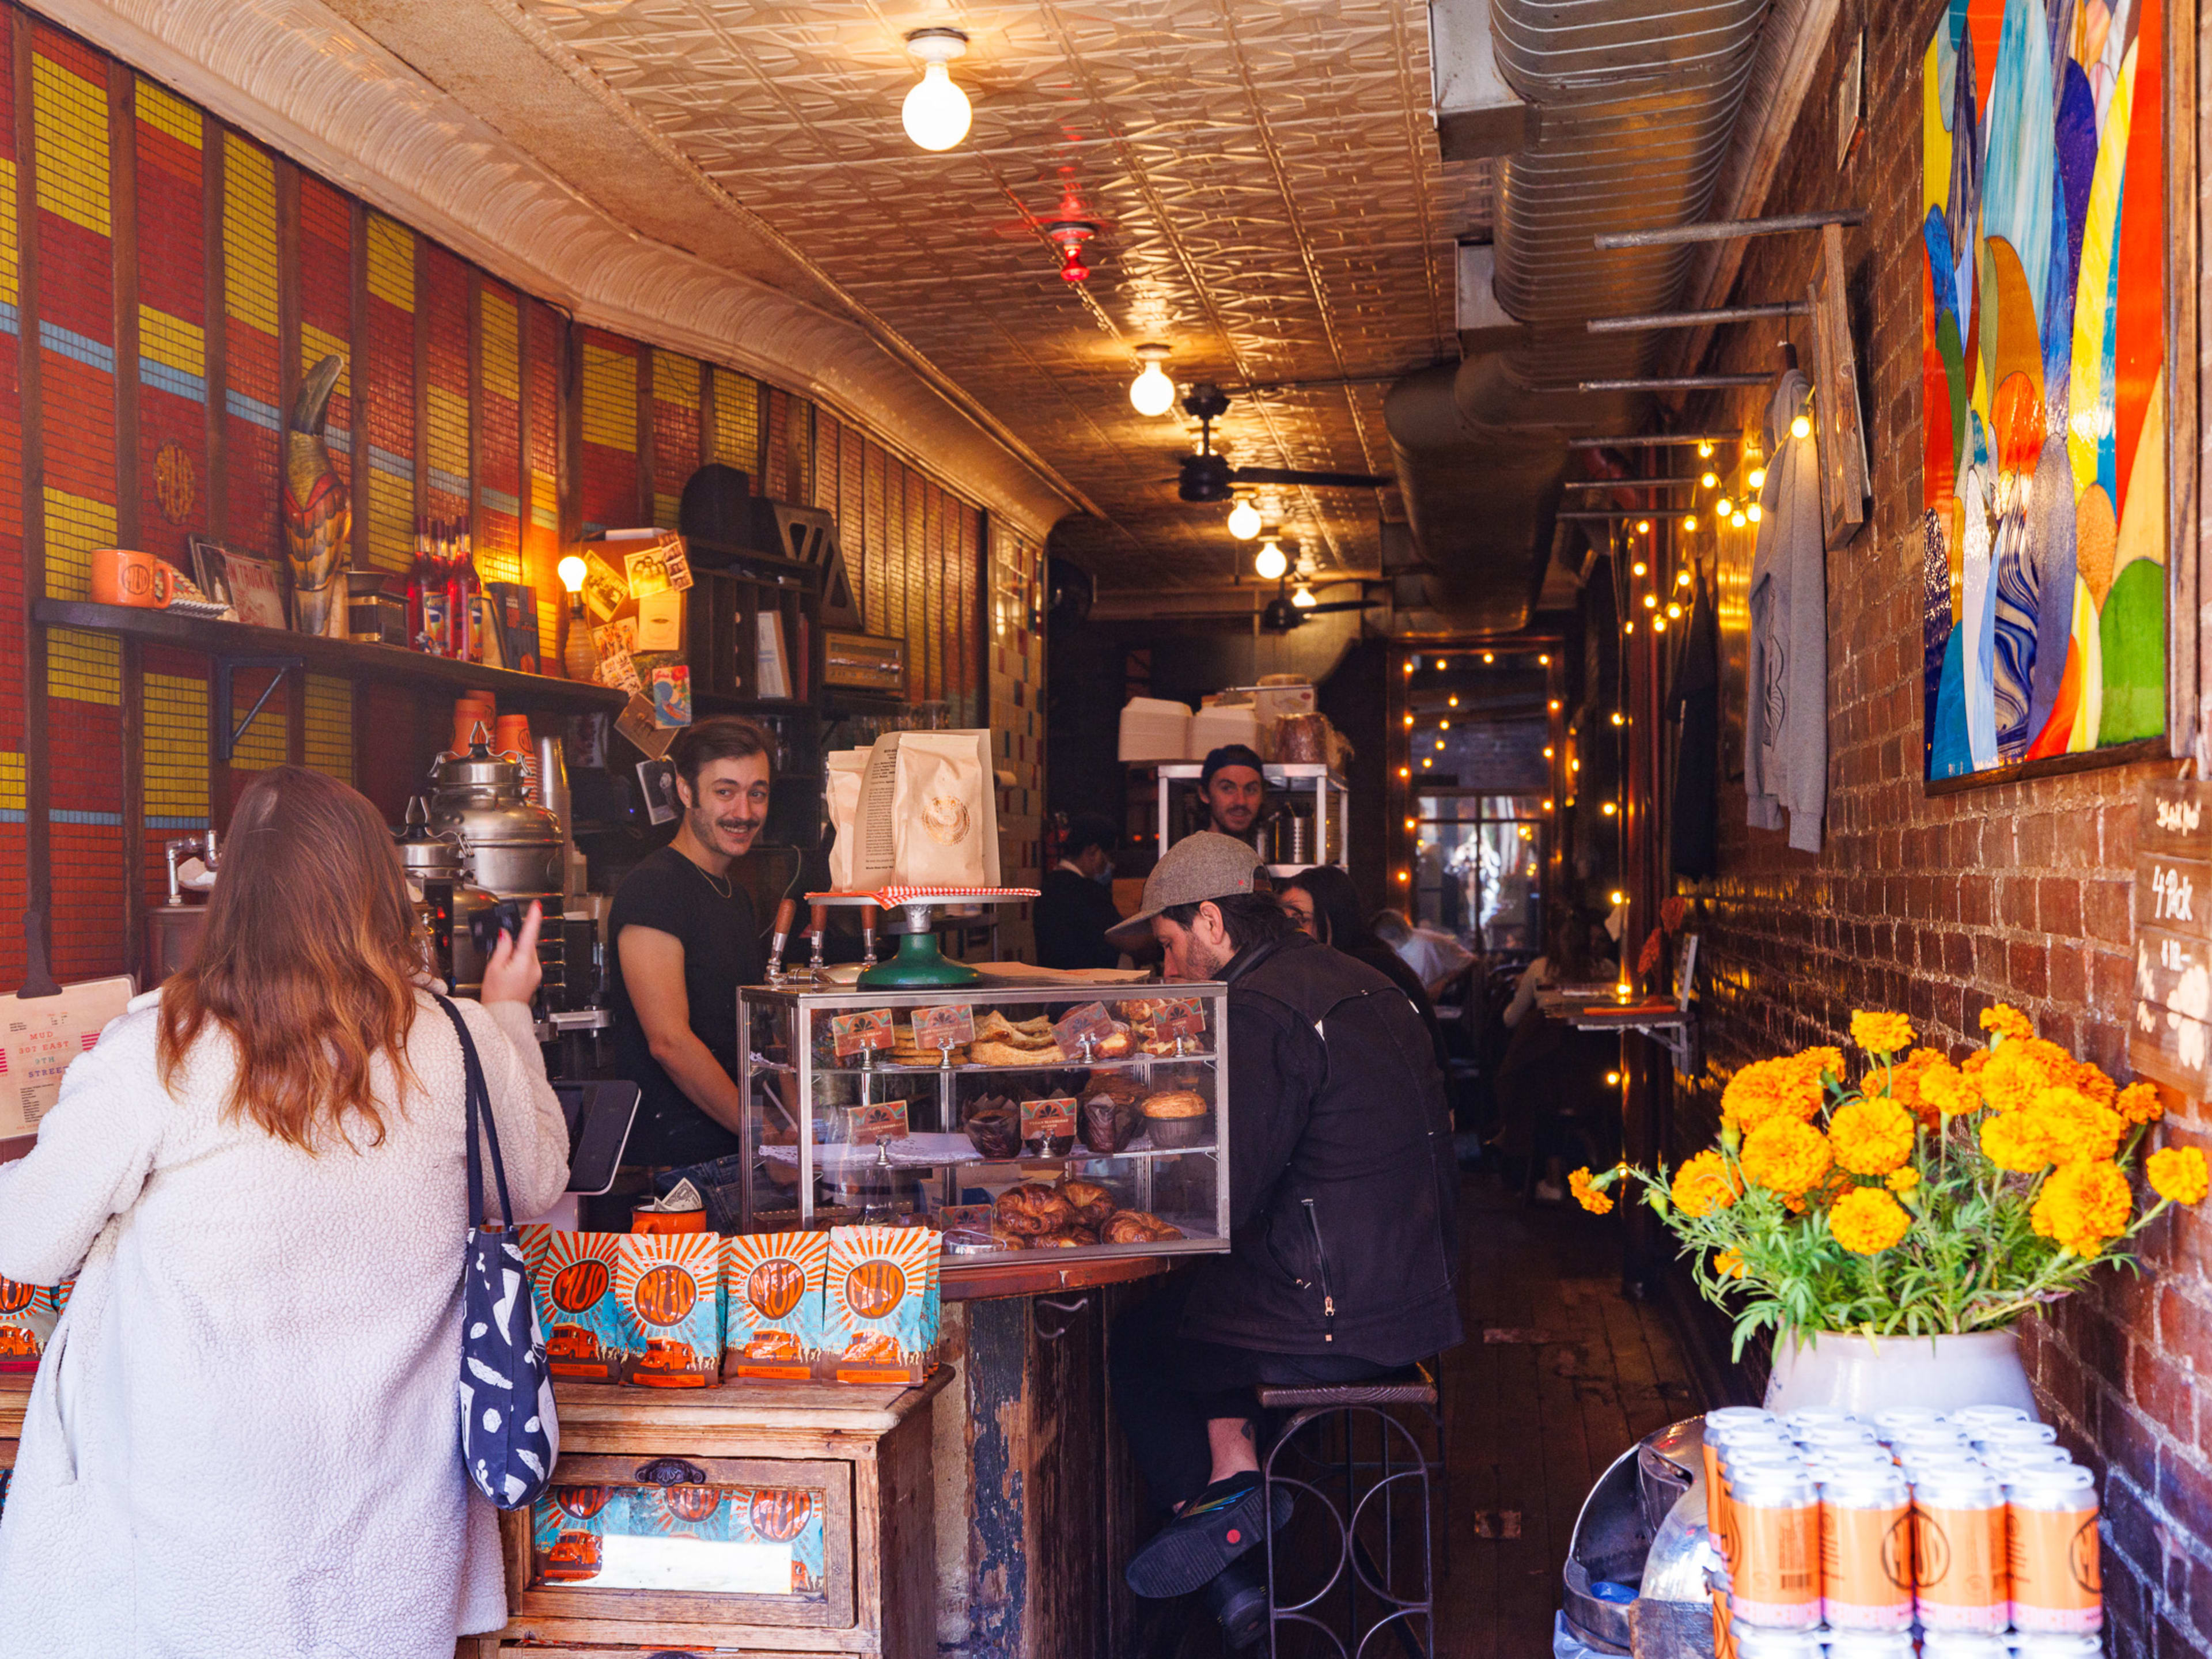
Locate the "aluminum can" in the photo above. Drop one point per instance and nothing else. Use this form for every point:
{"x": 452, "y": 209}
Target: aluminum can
{"x": 1866, "y": 1548}
{"x": 1963, "y": 1645}
{"x": 1959, "y": 1549}
{"x": 1751, "y": 1642}
{"x": 2056, "y": 1577}
{"x": 1774, "y": 1567}
{"x": 1890, "y": 1423}
{"x": 1870, "y": 1645}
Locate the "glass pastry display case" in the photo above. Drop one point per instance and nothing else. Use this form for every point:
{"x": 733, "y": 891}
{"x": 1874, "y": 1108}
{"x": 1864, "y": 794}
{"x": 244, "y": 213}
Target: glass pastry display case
{"x": 1011, "y": 1115}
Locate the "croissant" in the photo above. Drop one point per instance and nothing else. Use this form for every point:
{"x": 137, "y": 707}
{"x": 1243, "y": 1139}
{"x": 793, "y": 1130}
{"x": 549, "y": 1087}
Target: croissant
{"x": 1091, "y": 1203}
{"x": 1033, "y": 1208}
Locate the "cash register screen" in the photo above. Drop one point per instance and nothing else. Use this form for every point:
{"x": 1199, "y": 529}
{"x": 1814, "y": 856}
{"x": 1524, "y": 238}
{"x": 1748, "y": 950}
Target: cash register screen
{"x": 600, "y": 1116}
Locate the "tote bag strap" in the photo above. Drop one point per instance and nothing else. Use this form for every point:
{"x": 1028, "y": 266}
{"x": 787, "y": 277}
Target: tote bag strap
{"x": 479, "y": 1109}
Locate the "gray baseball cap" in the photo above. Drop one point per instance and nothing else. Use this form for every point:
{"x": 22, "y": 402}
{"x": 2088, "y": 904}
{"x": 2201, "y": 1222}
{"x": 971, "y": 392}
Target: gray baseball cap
{"x": 1204, "y": 866}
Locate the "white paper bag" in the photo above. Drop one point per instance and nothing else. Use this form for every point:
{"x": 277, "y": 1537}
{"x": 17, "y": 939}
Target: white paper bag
{"x": 845, "y": 768}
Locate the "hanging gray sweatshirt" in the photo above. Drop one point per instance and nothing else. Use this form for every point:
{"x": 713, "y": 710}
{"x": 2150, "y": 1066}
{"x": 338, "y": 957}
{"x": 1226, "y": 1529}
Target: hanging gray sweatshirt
{"x": 1785, "y": 729}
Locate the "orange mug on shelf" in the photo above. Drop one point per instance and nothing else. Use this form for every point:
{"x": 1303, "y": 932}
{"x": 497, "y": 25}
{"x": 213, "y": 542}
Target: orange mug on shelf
{"x": 121, "y": 575}
{"x": 668, "y": 1221}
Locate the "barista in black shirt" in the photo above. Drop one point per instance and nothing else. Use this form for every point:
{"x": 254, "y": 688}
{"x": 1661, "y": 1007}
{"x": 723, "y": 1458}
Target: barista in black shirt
{"x": 686, "y": 939}
{"x": 1075, "y": 906}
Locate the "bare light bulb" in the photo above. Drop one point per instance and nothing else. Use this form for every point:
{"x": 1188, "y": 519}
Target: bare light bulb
{"x": 571, "y": 572}
{"x": 1689, "y": 521}
{"x": 1724, "y": 507}
{"x": 1801, "y": 427}
{"x": 1152, "y": 393}
{"x": 1643, "y": 526}
{"x": 1710, "y": 480}
{"x": 936, "y": 112}
{"x": 1244, "y": 520}
{"x": 1269, "y": 561}
{"x": 1620, "y": 719}
{"x": 1303, "y": 598}
{"x": 1639, "y": 567}
{"x": 1751, "y": 512}
{"x": 1739, "y": 522}
{"x": 1704, "y": 449}
{"x": 1757, "y": 477}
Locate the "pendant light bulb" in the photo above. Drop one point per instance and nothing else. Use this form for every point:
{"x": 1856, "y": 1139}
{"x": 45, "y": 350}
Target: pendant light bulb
{"x": 936, "y": 111}
{"x": 1303, "y": 598}
{"x": 1244, "y": 523}
{"x": 571, "y": 572}
{"x": 1269, "y": 561}
{"x": 1152, "y": 393}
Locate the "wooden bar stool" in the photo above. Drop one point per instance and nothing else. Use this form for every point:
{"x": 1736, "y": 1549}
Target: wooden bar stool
{"x": 1353, "y": 1491}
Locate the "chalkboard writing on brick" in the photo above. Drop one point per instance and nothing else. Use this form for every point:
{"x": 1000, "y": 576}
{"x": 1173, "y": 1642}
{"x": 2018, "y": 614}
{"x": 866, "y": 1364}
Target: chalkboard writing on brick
{"x": 2170, "y": 1038}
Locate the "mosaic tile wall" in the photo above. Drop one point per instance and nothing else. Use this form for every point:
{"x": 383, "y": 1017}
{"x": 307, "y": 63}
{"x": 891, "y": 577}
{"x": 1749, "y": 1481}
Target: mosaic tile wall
{"x": 183, "y": 279}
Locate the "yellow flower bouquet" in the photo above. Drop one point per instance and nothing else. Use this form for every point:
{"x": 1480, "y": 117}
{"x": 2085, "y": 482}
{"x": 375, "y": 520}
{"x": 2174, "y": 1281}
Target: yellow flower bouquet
{"x": 1927, "y": 1199}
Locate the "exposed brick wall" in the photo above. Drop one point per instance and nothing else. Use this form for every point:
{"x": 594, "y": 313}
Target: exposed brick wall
{"x": 1940, "y": 906}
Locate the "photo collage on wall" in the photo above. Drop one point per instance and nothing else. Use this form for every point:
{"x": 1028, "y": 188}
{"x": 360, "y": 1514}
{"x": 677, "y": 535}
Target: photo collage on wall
{"x": 2043, "y": 341}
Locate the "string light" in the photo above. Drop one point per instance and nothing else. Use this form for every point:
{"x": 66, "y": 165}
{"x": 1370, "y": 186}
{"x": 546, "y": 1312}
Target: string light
{"x": 1681, "y": 579}
{"x": 1620, "y": 719}
{"x": 1643, "y": 526}
{"x": 1575, "y": 765}
{"x": 1710, "y": 480}
{"x": 1675, "y": 612}
{"x": 1547, "y": 751}
{"x": 1751, "y": 512}
{"x": 1405, "y": 772}
{"x": 1639, "y": 567}
{"x": 1619, "y": 897}
{"x": 1405, "y": 876}
{"x": 1739, "y": 522}
{"x": 1412, "y": 663}
{"x": 1705, "y": 450}
{"x": 1547, "y": 806}
{"x": 1689, "y": 521}
{"x": 1658, "y": 624}
{"x": 1410, "y": 823}
{"x": 1440, "y": 746}
{"x": 1756, "y": 479}
{"x": 1650, "y": 601}
{"x": 1555, "y": 705}
{"x": 1724, "y": 507}
{"x": 1544, "y": 661}
{"x": 1452, "y": 701}
{"x": 1628, "y": 627}
{"x": 1489, "y": 656}
{"x": 1427, "y": 763}
{"x": 1409, "y": 720}
{"x": 1609, "y": 809}
{"x": 1443, "y": 725}
{"x": 1612, "y": 1080}
{"x": 1801, "y": 427}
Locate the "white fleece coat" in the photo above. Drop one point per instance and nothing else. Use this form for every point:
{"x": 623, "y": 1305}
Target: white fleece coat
{"x": 241, "y": 1440}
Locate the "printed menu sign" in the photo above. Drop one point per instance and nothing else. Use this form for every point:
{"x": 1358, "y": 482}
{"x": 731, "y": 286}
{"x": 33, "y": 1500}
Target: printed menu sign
{"x": 1090, "y": 1023}
{"x": 950, "y": 1026}
{"x": 1054, "y": 1118}
{"x": 39, "y": 1038}
{"x": 2170, "y": 1038}
{"x": 1179, "y": 1016}
{"x": 868, "y": 1126}
{"x": 853, "y": 1034}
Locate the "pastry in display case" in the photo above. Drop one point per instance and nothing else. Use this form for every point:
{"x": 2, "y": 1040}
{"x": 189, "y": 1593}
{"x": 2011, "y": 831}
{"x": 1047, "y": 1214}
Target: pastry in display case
{"x": 1013, "y": 1116}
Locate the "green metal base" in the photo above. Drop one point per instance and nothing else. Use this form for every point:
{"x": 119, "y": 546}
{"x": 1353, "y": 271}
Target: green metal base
{"x": 918, "y": 965}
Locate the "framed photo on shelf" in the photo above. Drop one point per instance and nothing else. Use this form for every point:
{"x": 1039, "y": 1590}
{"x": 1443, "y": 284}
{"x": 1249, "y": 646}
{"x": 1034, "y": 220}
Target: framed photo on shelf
{"x": 210, "y": 570}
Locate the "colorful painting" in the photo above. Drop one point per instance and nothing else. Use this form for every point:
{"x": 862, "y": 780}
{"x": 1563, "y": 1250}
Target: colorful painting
{"x": 2042, "y": 345}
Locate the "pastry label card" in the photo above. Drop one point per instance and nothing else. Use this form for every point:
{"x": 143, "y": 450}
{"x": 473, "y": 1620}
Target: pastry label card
{"x": 951, "y": 1026}
{"x": 1054, "y": 1117}
{"x": 856, "y": 1033}
{"x": 872, "y": 1125}
{"x": 1087, "y": 1022}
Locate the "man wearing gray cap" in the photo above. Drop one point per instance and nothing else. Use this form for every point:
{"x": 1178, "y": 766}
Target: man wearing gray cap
{"x": 1342, "y": 1196}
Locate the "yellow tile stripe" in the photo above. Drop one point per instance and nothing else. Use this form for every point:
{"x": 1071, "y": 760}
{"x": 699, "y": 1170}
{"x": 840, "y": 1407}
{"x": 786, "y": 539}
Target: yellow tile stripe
{"x": 666, "y": 510}
{"x": 449, "y": 431}
{"x": 10, "y": 257}
{"x": 70, "y": 117}
{"x": 176, "y": 748}
{"x": 502, "y": 350}
{"x": 736, "y": 420}
{"x": 75, "y": 527}
{"x": 84, "y": 668}
{"x": 249, "y": 233}
{"x": 171, "y": 341}
{"x": 610, "y": 398}
{"x": 13, "y": 795}
{"x": 161, "y": 109}
{"x": 391, "y": 520}
{"x": 391, "y": 262}
{"x": 329, "y": 726}
{"x": 314, "y": 346}
{"x": 675, "y": 379}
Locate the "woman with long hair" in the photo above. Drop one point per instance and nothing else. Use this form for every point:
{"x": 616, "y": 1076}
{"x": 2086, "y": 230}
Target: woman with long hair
{"x": 242, "y": 1438}
{"x": 1323, "y": 902}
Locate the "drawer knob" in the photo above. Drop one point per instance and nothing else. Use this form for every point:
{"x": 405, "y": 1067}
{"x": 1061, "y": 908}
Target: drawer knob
{"x": 671, "y": 1472}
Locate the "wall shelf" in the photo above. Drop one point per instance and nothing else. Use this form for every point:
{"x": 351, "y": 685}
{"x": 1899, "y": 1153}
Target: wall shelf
{"x": 340, "y": 659}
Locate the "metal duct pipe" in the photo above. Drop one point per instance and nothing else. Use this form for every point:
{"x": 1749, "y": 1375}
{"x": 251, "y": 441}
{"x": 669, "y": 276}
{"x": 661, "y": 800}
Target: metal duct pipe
{"x": 1638, "y": 101}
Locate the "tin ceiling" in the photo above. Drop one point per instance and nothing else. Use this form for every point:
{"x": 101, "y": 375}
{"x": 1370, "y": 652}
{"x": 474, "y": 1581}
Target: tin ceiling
{"x": 1266, "y": 177}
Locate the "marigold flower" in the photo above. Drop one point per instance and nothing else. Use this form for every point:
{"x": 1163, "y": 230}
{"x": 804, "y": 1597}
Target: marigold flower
{"x": 2020, "y": 1067}
{"x": 2178, "y": 1173}
{"x": 1704, "y": 1184}
{"x": 1903, "y": 1181}
{"x": 1583, "y": 1186}
{"x": 1727, "y": 1264}
{"x": 1949, "y": 1090}
{"x": 1974, "y": 1062}
{"x": 2092, "y": 1081}
{"x": 2077, "y": 1129}
{"x": 2082, "y": 1206}
{"x": 1786, "y": 1155}
{"x": 1902, "y": 1078}
{"x": 1880, "y": 1033}
{"x": 1768, "y": 1089}
{"x": 1867, "y": 1221}
{"x": 2139, "y": 1103}
{"x": 1814, "y": 1063}
{"x": 2016, "y": 1141}
{"x": 1871, "y": 1137}
{"x": 2005, "y": 1021}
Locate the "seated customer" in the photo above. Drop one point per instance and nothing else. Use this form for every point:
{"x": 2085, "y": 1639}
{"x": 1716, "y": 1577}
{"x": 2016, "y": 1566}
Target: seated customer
{"x": 1325, "y": 904}
{"x": 1342, "y": 1198}
{"x": 1433, "y": 954}
{"x": 1076, "y": 904}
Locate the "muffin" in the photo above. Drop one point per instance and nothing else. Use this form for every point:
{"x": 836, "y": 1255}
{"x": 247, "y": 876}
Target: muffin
{"x": 1178, "y": 1117}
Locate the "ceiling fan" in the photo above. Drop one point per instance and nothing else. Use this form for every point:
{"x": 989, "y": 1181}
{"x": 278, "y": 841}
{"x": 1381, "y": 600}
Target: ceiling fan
{"x": 1283, "y": 613}
{"x": 1207, "y": 476}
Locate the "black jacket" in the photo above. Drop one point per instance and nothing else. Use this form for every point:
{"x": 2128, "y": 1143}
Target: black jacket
{"x": 1071, "y": 917}
{"x": 1343, "y": 1186}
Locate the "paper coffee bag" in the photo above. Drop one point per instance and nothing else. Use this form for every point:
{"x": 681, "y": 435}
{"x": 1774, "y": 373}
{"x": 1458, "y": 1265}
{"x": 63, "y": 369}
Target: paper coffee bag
{"x": 845, "y": 768}
{"x": 944, "y": 807}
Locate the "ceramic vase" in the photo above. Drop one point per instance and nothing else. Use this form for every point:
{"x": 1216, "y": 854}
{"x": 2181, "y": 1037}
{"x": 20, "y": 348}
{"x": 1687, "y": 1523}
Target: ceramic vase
{"x": 1870, "y": 1374}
